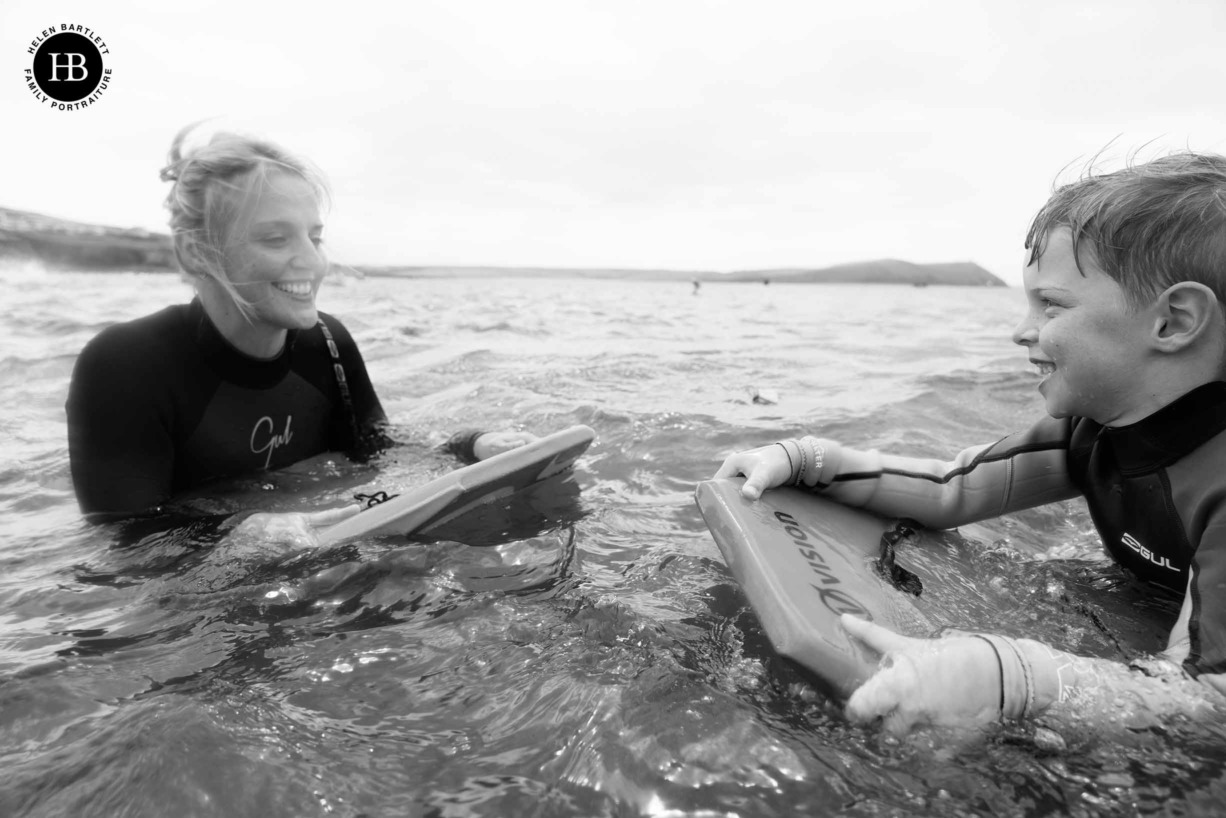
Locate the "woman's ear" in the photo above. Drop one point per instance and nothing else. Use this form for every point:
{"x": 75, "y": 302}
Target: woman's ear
{"x": 191, "y": 255}
{"x": 1185, "y": 312}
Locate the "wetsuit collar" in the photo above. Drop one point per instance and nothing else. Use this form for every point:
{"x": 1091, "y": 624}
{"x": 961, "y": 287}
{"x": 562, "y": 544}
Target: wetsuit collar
{"x": 1172, "y": 432}
{"x": 229, "y": 361}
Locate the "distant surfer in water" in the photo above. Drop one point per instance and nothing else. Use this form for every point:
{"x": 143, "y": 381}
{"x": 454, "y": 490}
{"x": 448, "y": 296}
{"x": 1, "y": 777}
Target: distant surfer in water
{"x": 1125, "y": 286}
{"x": 249, "y": 376}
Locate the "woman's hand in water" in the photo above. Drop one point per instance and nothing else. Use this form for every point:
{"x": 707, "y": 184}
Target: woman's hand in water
{"x": 953, "y": 681}
{"x": 293, "y": 529}
{"x": 764, "y": 468}
{"x": 492, "y": 443}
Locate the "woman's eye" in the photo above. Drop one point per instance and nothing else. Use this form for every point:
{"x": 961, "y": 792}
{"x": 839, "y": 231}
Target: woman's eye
{"x": 273, "y": 241}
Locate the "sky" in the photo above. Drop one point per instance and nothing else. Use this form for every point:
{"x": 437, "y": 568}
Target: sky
{"x": 676, "y": 134}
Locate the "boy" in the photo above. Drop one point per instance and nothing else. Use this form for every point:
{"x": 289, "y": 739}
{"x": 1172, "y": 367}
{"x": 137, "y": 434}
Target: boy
{"x": 1125, "y": 284}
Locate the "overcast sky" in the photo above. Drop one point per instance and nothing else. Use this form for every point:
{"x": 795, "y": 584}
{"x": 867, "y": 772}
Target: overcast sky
{"x": 665, "y": 134}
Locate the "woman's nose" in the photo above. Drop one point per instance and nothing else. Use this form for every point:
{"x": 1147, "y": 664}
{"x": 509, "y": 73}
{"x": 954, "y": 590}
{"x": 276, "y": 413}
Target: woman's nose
{"x": 311, "y": 257}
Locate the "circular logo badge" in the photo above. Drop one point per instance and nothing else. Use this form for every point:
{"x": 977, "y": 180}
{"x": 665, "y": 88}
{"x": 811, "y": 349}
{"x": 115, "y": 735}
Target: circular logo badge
{"x": 68, "y": 71}
{"x": 68, "y": 67}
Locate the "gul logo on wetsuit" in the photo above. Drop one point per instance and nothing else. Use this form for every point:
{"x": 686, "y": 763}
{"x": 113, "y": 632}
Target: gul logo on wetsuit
{"x": 68, "y": 71}
{"x": 1135, "y": 546}
{"x": 265, "y": 439}
{"x": 834, "y": 597}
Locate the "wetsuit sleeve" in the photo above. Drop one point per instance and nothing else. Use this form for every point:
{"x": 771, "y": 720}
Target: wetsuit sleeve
{"x": 1198, "y": 491}
{"x": 463, "y": 443}
{"x": 119, "y": 443}
{"x": 1020, "y": 471}
{"x": 1207, "y": 626}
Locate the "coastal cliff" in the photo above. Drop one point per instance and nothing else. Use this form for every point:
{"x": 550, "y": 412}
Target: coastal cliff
{"x": 65, "y": 245}
{"x": 883, "y": 271}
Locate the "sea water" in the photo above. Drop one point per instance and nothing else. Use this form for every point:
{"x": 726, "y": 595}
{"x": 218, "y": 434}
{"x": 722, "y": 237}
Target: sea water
{"x": 604, "y": 665}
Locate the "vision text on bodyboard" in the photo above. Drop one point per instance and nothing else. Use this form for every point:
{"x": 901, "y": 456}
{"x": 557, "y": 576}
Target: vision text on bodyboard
{"x": 827, "y": 585}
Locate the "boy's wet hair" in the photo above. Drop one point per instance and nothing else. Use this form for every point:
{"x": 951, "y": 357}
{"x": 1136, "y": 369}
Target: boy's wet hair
{"x": 1148, "y": 226}
{"x": 210, "y": 186}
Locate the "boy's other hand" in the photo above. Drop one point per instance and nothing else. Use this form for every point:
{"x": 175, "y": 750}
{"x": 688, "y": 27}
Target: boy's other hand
{"x": 764, "y": 468}
{"x": 953, "y": 681}
{"x": 492, "y": 443}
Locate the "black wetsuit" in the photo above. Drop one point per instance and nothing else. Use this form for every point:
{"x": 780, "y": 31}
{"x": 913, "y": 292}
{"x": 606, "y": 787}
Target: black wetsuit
{"x": 1156, "y": 490}
{"x": 164, "y": 403}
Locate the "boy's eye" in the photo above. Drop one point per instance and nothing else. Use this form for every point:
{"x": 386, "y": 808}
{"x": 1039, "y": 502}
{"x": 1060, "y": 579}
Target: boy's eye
{"x": 273, "y": 241}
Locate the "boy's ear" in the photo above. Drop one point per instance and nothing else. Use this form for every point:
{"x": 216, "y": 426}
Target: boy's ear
{"x": 1185, "y": 313}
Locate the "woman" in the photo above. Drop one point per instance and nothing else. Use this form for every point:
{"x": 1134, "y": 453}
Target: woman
{"x": 250, "y": 375}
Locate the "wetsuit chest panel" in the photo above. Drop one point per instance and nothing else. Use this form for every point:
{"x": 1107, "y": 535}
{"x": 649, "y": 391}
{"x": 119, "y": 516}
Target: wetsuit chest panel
{"x": 245, "y": 430}
{"x": 1139, "y": 526}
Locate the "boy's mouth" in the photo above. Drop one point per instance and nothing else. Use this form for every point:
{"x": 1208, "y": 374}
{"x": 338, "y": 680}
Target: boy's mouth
{"x": 1045, "y": 367}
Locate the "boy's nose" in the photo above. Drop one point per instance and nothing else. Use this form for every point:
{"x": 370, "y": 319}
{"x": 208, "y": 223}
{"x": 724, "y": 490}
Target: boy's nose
{"x": 1025, "y": 333}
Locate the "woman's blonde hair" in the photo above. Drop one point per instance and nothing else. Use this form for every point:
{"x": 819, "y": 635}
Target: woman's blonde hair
{"x": 210, "y": 185}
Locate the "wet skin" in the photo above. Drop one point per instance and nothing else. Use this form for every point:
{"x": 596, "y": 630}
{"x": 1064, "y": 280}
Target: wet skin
{"x": 1079, "y": 331}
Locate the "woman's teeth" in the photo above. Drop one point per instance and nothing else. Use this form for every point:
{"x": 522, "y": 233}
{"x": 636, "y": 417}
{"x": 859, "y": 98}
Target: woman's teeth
{"x": 1045, "y": 368}
{"x": 294, "y": 287}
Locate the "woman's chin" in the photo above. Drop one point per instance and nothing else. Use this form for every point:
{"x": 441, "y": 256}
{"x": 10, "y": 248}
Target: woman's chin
{"x": 302, "y": 318}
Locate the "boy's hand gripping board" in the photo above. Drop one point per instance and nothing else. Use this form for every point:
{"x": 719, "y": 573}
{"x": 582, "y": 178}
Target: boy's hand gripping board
{"x": 456, "y": 493}
{"x": 802, "y": 561}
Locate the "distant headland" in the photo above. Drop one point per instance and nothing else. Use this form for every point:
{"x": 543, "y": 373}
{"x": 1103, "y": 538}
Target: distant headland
{"x": 66, "y": 245}
{"x": 883, "y": 271}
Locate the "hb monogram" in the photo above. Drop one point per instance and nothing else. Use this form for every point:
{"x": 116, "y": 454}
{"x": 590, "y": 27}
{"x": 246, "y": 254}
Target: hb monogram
{"x": 72, "y": 64}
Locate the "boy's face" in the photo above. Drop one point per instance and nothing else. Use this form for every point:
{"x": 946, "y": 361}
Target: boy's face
{"x": 1089, "y": 347}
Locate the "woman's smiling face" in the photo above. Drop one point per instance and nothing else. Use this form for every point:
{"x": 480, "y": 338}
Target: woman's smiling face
{"x": 1080, "y": 332}
{"x": 273, "y": 254}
